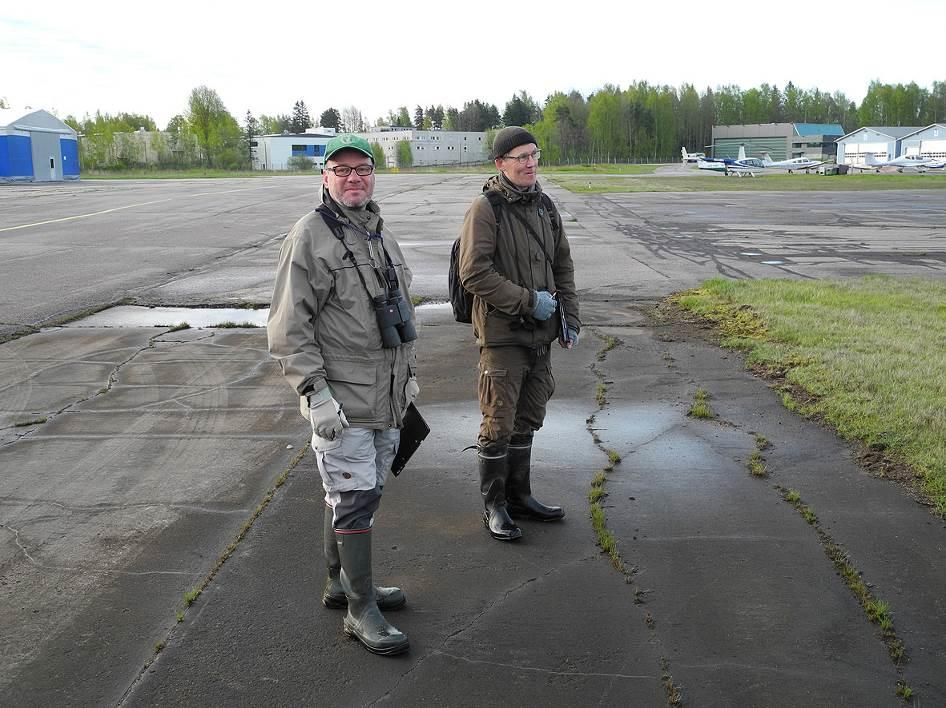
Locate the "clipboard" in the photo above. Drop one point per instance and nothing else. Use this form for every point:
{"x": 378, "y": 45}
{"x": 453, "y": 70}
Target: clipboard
{"x": 562, "y": 324}
{"x": 413, "y": 433}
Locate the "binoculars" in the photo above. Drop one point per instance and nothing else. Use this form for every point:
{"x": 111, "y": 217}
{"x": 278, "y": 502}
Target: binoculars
{"x": 394, "y": 320}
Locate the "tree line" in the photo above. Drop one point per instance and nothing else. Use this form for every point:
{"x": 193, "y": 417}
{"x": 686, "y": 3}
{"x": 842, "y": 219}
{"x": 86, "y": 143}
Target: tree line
{"x": 642, "y": 122}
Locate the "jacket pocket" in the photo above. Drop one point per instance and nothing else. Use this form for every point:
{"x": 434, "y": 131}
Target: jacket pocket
{"x": 355, "y": 386}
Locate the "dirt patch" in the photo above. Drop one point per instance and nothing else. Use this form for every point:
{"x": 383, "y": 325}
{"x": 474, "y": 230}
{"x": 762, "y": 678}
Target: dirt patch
{"x": 672, "y": 323}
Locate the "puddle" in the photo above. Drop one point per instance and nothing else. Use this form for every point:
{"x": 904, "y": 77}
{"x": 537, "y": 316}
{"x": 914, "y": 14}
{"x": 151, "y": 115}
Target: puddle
{"x": 772, "y": 262}
{"x": 749, "y": 253}
{"x": 196, "y": 317}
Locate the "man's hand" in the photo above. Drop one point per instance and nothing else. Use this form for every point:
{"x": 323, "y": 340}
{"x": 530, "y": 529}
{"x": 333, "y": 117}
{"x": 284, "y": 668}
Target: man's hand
{"x": 326, "y": 415}
{"x": 411, "y": 389}
{"x": 544, "y": 305}
{"x": 572, "y": 338}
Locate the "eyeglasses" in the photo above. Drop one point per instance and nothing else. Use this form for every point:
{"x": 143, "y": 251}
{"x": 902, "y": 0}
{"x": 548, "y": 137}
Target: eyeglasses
{"x": 523, "y": 159}
{"x": 345, "y": 170}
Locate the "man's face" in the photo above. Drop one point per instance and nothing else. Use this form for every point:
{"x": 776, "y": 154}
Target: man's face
{"x": 354, "y": 191}
{"x": 521, "y": 173}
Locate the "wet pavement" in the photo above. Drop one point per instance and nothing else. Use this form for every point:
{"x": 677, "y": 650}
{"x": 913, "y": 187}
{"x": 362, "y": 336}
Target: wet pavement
{"x": 133, "y": 458}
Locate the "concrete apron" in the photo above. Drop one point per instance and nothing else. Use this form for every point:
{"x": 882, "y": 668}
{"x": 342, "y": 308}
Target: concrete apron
{"x": 156, "y": 448}
{"x": 737, "y": 600}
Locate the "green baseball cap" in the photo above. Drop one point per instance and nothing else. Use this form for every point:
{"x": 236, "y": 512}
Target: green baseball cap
{"x": 347, "y": 141}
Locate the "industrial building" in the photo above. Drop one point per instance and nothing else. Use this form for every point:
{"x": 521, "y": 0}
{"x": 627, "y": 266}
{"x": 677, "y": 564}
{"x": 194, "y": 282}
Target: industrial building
{"x": 431, "y": 147}
{"x": 781, "y": 140}
{"x": 35, "y": 146}
{"x": 883, "y": 142}
{"x": 276, "y": 151}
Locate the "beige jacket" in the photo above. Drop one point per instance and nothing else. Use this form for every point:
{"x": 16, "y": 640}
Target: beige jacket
{"x": 322, "y": 328}
{"x": 503, "y": 272}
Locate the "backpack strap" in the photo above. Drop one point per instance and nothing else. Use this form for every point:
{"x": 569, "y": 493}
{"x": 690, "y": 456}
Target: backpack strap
{"x": 498, "y": 202}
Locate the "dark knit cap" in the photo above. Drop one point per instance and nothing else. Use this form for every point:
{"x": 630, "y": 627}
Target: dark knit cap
{"x": 510, "y": 137}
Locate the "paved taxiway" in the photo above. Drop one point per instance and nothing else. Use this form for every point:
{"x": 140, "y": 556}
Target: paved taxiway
{"x": 157, "y": 447}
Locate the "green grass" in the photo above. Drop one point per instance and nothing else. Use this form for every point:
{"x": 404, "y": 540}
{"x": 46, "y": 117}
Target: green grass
{"x": 757, "y": 465}
{"x": 590, "y": 183}
{"x": 196, "y": 173}
{"x": 227, "y": 324}
{"x": 701, "y": 407}
{"x": 869, "y": 352}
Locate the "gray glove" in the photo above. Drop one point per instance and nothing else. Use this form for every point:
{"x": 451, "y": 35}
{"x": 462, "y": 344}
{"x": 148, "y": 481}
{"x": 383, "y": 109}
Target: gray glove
{"x": 544, "y": 305}
{"x": 411, "y": 389}
{"x": 326, "y": 415}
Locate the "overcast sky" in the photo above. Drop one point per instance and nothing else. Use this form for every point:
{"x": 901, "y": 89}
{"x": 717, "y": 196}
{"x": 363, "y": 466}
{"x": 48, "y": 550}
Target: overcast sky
{"x": 76, "y": 58}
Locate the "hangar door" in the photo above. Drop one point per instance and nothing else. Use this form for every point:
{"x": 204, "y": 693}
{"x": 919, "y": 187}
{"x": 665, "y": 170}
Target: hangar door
{"x": 47, "y": 157}
{"x": 933, "y": 148}
{"x": 856, "y": 153}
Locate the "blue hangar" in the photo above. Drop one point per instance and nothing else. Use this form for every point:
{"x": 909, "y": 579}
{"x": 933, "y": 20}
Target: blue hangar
{"x": 35, "y": 146}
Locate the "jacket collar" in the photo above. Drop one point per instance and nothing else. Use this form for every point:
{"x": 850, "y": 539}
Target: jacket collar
{"x": 367, "y": 217}
{"x": 500, "y": 183}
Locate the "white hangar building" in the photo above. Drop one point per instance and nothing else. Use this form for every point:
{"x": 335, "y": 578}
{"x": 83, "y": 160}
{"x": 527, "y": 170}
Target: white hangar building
{"x": 274, "y": 152}
{"x": 883, "y": 142}
{"x": 926, "y": 142}
{"x": 35, "y": 146}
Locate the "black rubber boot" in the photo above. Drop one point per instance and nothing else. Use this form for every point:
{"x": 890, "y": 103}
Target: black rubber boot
{"x": 519, "y": 499}
{"x": 364, "y": 620}
{"x": 493, "y": 488}
{"x": 333, "y": 596}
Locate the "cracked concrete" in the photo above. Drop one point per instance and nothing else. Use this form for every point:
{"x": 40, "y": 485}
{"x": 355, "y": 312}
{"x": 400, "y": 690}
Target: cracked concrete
{"x": 122, "y": 501}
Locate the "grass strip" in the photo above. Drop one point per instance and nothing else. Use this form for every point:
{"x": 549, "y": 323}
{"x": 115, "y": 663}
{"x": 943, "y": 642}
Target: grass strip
{"x": 865, "y": 355}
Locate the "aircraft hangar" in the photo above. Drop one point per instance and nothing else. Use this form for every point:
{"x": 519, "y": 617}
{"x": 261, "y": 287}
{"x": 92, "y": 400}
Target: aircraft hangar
{"x": 780, "y": 140}
{"x": 35, "y": 146}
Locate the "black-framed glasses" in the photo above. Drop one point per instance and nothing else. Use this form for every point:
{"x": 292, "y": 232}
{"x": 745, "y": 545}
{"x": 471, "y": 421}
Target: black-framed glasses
{"x": 345, "y": 170}
{"x": 523, "y": 159}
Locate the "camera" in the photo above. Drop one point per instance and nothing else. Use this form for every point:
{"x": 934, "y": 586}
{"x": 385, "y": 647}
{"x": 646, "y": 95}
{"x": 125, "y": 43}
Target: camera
{"x": 394, "y": 320}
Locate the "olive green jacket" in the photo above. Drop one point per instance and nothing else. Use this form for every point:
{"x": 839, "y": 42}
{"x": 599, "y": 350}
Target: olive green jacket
{"x": 322, "y": 327}
{"x": 503, "y": 271}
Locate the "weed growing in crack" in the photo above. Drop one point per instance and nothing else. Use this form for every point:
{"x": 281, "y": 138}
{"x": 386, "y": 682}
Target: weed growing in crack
{"x": 757, "y": 465}
{"x": 877, "y": 611}
{"x": 672, "y": 691}
{"x": 904, "y": 691}
{"x": 701, "y": 408}
{"x": 190, "y": 596}
{"x": 32, "y": 421}
{"x": 609, "y": 344}
{"x": 158, "y": 647}
{"x": 600, "y": 392}
{"x": 178, "y": 327}
{"x": 761, "y": 442}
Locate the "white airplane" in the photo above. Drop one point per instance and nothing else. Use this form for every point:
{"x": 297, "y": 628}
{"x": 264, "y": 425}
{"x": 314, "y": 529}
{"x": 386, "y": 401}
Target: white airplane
{"x": 691, "y": 156}
{"x": 792, "y": 164}
{"x": 904, "y": 162}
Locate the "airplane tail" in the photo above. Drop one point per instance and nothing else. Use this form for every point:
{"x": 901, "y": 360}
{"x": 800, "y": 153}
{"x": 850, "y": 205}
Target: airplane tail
{"x": 683, "y": 153}
{"x": 742, "y": 152}
{"x": 869, "y": 159}
{"x": 766, "y": 158}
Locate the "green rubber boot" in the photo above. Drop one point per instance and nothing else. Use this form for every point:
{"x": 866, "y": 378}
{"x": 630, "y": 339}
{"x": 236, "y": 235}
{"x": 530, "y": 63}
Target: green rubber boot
{"x": 364, "y": 620}
{"x": 333, "y": 596}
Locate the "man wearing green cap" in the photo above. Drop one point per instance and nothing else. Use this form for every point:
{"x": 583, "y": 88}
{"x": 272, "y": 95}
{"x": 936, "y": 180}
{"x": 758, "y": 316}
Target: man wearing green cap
{"x": 516, "y": 261}
{"x": 341, "y": 328}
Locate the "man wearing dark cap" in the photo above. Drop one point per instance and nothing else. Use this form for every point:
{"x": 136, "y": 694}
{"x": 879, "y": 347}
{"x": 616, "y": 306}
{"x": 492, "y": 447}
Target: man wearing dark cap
{"x": 515, "y": 260}
{"x": 339, "y": 283}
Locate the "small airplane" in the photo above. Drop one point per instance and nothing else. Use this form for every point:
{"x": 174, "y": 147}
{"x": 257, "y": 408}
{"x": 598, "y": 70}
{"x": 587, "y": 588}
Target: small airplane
{"x": 792, "y": 164}
{"x": 691, "y": 156}
{"x": 904, "y": 162}
{"x": 739, "y": 167}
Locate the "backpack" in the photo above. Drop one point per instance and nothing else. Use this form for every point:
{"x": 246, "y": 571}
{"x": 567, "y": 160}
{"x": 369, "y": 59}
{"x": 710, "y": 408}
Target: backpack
{"x": 461, "y": 299}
